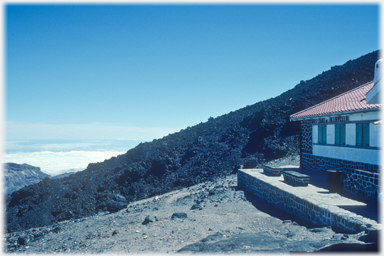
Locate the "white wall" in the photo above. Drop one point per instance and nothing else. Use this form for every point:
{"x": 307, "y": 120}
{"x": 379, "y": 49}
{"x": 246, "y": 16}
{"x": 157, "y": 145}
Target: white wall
{"x": 373, "y": 96}
{"x": 371, "y": 115}
{"x": 350, "y": 134}
{"x": 330, "y": 134}
{"x": 374, "y": 135}
{"x": 315, "y": 136}
{"x": 362, "y": 155}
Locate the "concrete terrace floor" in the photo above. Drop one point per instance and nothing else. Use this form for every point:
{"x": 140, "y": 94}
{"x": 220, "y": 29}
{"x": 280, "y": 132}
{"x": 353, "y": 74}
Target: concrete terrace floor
{"x": 369, "y": 210}
{"x": 318, "y": 193}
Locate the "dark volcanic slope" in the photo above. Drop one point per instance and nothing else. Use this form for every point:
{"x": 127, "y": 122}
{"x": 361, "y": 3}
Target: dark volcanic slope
{"x": 248, "y": 137}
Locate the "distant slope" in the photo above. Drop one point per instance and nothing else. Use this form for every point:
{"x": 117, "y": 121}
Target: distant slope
{"x": 248, "y": 136}
{"x": 17, "y": 176}
{"x": 60, "y": 176}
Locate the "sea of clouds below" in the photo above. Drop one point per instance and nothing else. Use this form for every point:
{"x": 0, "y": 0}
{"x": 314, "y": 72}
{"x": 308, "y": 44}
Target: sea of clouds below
{"x": 57, "y": 157}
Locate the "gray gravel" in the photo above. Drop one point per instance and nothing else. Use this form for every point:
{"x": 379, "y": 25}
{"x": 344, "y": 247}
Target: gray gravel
{"x": 224, "y": 222}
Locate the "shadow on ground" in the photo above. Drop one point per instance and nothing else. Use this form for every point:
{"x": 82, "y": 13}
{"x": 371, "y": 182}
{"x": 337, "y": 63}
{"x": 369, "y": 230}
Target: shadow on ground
{"x": 320, "y": 179}
{"x": 274, "y": 212}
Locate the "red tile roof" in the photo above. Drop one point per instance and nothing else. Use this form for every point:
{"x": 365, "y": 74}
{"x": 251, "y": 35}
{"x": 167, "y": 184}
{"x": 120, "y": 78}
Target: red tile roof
{"x": 351, "y": 101}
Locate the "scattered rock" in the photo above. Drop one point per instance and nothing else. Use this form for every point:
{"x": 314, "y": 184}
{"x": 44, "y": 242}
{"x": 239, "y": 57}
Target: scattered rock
{"x": 23, "y": 240}
{"x": 339, "y": 237}
{"x": 90, "y": 236}
{"x": 179, "y": 215}
{"x": 115, "y": 232}
{"x": 148, "y": 219}
{"x": 195, "y": 206}
{"x": 211, "y": 192}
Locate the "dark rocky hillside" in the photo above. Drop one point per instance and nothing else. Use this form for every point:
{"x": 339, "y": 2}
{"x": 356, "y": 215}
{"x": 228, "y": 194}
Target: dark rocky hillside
{"x": 17, "y": 176}
{"x": 216, "y": 148}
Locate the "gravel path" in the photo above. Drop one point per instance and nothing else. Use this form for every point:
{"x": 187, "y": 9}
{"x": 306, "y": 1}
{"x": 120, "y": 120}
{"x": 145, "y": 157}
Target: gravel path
{"x": 222, "y": 221}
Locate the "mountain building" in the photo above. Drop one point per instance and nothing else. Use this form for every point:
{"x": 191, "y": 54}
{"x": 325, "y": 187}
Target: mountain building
{"x": 343, "y": 134}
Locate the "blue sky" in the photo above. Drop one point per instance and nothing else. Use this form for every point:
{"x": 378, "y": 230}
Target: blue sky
{"x": 131, "y": 71}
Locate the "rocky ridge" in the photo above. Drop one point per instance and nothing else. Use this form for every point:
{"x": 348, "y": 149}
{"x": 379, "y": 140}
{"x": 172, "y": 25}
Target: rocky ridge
{"x": 17, "y": 176}
{"x": 249, "y": 137}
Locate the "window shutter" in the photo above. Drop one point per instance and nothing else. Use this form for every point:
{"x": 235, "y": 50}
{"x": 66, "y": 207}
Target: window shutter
{"x": 359, "y": 134}
{"x": 319, "y": 136}
{"x": 337, "y": 134}
{"x": 342, "y": 134}
{"x": 366, "y": 134}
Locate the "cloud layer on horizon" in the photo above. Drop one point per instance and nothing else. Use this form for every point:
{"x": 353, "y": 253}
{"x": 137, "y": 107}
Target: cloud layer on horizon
{"x": 14, "y": 146}
{"x": 54, "y": 163}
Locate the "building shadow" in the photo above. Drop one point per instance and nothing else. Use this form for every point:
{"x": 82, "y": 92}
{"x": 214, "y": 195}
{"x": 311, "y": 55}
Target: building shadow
{"x": 261, "y": 205}
{"x": 320, "y": 180}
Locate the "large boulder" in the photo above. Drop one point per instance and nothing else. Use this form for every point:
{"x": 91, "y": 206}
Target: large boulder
{"x": 116, "y": 203}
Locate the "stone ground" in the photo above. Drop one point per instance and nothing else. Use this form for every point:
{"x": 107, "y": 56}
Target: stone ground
{"x": 223, "y": 221}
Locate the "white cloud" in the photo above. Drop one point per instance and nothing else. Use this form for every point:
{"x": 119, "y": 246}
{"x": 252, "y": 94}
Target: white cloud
{"x": 39, "y": 131}
{"x": 55, "y": 163}
{"x": 13, "y": 146}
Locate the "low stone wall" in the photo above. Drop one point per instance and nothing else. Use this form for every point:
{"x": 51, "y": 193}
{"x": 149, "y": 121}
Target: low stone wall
{"x": 357, "y": 178}
{"x": 278, "y": 198}
{"x": 366, "y": 184}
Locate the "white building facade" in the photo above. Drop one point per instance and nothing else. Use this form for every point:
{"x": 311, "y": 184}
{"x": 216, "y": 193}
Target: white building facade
{"x": 351, "y": 146}
{"x": 344, "y": 134}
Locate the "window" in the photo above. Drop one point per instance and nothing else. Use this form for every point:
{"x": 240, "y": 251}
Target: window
{"x": 322, "y": 134}
{"x": 362, "y": 134}
{"x": 340, "y": 134}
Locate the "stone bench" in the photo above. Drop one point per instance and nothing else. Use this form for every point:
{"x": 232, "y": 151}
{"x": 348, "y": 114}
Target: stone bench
{"x": 273, "y": 171}
{"x": 296, "y": 178}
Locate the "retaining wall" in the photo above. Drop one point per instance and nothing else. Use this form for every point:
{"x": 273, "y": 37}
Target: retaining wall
{"x": 318, "y": 214}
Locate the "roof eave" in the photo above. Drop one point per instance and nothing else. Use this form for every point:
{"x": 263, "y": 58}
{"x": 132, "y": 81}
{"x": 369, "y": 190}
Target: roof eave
{"x": 333, "y": 114}
{"x": 323, "y": 102}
